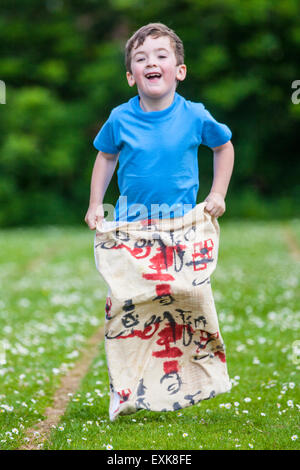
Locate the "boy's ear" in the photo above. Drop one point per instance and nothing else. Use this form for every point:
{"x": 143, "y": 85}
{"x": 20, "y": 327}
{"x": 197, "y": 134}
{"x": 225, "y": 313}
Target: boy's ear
{"x": 181, "y": 72}
{"x": 130, "y": 79}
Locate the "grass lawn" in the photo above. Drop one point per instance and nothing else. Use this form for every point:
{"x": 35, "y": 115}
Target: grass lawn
{"x": 53, "y": 299}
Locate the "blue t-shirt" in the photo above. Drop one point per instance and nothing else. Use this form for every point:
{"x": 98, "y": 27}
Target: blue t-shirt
{"x": 158, "y": 161}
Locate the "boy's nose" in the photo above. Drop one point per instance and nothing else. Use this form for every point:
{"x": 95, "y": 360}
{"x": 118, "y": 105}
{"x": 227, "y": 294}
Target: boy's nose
{"x": 151, "y": 61}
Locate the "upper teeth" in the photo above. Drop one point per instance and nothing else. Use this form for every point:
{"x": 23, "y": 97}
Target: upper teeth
{"x": 153, "y": 75}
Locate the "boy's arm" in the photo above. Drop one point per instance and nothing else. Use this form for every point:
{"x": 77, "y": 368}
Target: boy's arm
{"x": 103, "y": 170}
{"x": 223, "y": 166}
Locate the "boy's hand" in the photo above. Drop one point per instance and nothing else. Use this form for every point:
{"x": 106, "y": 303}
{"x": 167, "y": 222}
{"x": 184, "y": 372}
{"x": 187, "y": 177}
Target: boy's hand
{"x": 215, "y": 204}
{"x": 94, "y": 215}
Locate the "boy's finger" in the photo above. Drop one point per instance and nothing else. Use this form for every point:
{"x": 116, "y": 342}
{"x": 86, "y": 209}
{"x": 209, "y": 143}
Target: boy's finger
{"x": 91, "y": 222}
{"x": 99, "y": 220}
{"x": 99, "y": 212}
{"x": 209, "y": 206}
{"x": 92, "y": 225}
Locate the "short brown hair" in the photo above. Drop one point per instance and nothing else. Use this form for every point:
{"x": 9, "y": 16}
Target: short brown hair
{"x": 156, "y": 30}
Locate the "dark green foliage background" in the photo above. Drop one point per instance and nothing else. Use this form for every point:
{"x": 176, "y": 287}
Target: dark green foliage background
{"x": 63, "y": 66}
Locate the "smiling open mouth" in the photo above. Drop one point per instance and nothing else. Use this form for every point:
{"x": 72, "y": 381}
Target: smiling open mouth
{"x": 152, "y": 76}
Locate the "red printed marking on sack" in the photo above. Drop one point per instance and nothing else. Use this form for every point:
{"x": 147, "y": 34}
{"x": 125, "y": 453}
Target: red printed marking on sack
{"x": 169, "y": 334}
{"x": 162, "y": 261}
{"x": 135, "y": 252}
{"x": 163, "y": 289}
{"x": 147, "y": 333}
{"x": 202, "y": 250}
{"x": 206, "y": 338}
{"x": 220, "y": 355}
{"x": 170, "y": 366}
{"x": 124, "y": 395}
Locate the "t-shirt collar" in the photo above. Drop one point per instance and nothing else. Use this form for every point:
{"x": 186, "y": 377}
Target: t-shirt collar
{"x": 135, "y": 101}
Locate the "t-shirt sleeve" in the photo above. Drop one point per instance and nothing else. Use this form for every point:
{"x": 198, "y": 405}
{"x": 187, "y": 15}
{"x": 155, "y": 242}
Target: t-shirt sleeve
{"x": 214, "y": 133}
{"x": 105, "y": 140}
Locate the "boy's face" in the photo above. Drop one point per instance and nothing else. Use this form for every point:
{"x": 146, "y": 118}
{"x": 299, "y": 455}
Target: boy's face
{"x": 155, "y": 56}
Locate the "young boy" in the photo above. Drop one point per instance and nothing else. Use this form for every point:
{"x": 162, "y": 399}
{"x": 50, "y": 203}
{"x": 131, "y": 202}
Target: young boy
{"x": 156, "y": 136}
{"x": 163, "y": 345}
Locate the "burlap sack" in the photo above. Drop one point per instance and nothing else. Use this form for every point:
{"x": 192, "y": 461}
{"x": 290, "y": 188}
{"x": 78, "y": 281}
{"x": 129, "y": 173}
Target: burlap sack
{"x": 162, "y": 339}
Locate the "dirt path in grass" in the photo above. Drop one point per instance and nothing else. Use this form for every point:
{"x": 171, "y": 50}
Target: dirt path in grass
{"x": 292, "y": 242}
{"x": 69, "y": 384}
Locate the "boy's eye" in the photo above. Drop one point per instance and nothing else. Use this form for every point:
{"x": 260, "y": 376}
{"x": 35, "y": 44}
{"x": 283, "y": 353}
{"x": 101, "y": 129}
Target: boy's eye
{"x": 160, "y": 57}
